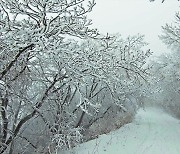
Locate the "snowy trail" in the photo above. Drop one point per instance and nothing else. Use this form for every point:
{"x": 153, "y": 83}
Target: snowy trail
{"x": 152, "y": 132}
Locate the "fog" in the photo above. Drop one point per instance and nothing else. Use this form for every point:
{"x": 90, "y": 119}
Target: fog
{"x": 129, "y": 17}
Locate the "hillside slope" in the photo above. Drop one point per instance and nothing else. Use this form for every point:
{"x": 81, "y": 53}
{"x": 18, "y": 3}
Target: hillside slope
{"x": 152, "y": 132}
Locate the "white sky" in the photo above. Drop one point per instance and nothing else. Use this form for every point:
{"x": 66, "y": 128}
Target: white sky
{"x": 129, "y": 17}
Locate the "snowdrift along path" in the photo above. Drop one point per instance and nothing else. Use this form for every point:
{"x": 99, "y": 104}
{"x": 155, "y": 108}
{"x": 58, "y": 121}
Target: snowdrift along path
{"x": 152, "y": 132}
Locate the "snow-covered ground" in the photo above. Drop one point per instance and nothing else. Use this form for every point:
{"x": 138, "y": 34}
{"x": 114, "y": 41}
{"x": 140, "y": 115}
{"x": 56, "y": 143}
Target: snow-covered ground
{"x": 152, "y": 132}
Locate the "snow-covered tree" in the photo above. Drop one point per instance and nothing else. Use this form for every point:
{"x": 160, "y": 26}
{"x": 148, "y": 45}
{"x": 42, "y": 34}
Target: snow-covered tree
{"x": 171, "y": 37}
{"x": 52, "y": 87}
{"x": 171, "y": 34}
{"x": 165, "y": 86}
{"x": 32, "y": 34}
{"x": 116, "y": 70}
{"x": 166, "y": 69}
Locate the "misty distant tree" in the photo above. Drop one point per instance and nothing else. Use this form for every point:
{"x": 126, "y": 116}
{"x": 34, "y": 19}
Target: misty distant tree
{"x": 166, "y": 69}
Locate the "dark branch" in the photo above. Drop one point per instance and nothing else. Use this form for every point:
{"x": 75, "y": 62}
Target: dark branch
{"x": 9, "y": 66}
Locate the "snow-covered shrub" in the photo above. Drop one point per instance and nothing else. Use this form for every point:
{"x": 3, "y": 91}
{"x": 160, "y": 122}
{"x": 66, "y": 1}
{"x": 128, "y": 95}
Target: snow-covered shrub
{"x": 67, "y": 139}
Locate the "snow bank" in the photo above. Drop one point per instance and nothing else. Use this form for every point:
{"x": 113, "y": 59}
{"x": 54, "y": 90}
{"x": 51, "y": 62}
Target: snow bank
{"x": 152, "y": 132}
